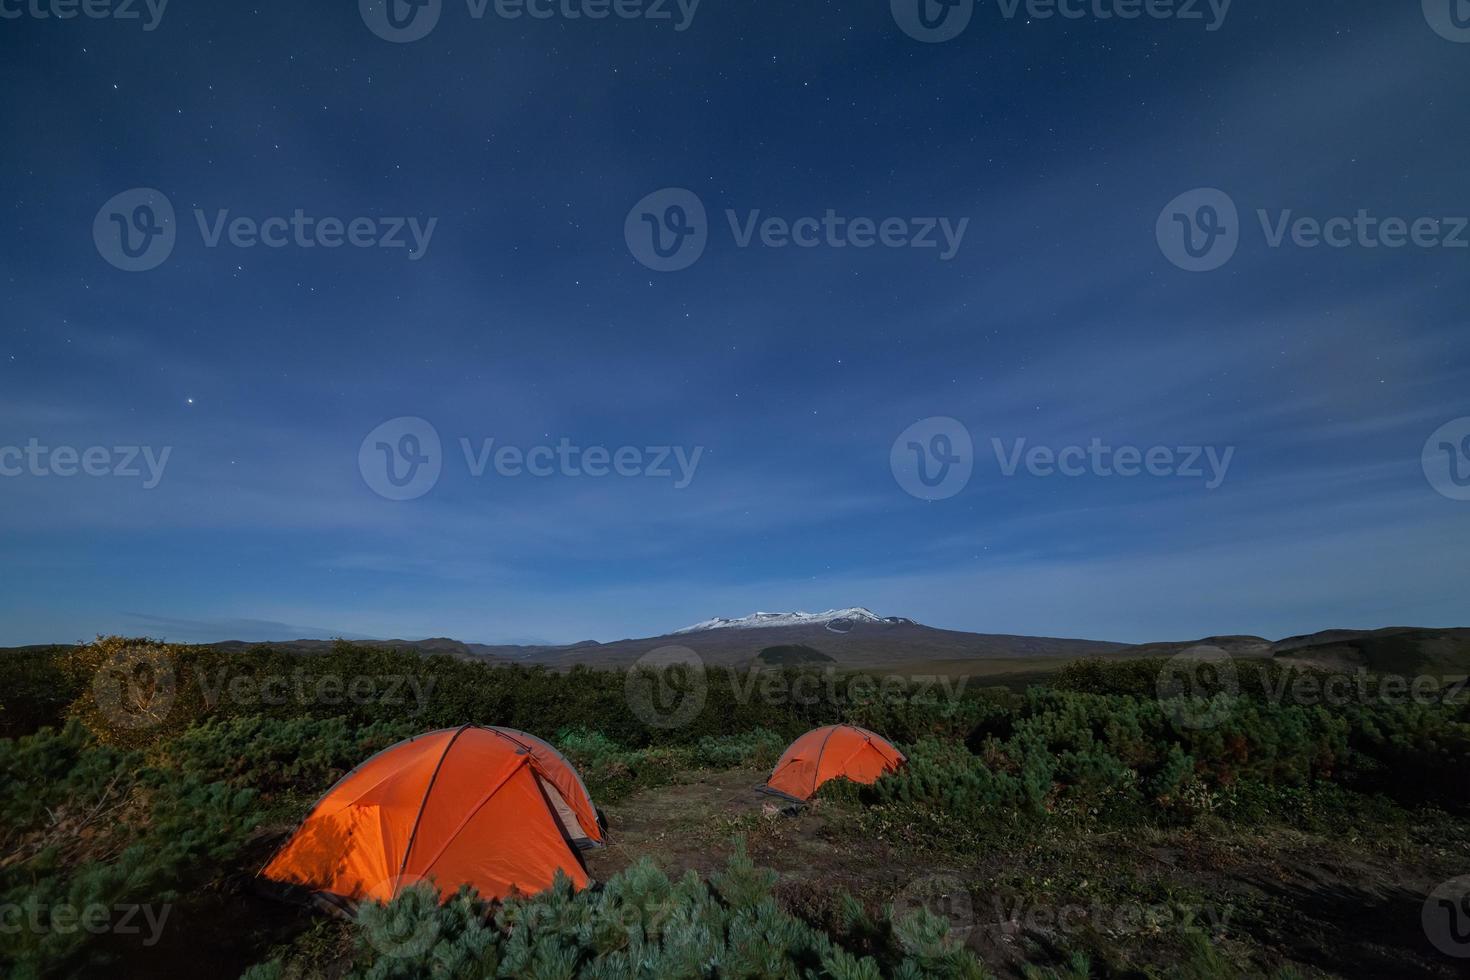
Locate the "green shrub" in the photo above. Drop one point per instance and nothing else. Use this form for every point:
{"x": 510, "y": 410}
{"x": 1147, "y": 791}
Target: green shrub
{"x": 638, "y": 925}
{"x": 279, "y": 755}
{"x": 89, "y": 827}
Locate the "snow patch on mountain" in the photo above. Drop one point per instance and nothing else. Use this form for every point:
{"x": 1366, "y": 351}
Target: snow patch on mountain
{"x": 836, "y": 620}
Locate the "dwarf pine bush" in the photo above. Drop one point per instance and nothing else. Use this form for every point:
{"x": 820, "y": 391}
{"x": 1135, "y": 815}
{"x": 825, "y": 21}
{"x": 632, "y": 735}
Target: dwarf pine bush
{"x": 757, "y": 749}
{"x": 90, "y": 826}
{"x": 1113, "y": 750}
{"x": 638, "y": 926}
{"x": 612, "y": 771}
{"x": 272, "y": 754}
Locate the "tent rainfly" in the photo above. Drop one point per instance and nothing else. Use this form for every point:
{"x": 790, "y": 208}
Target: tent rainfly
{"x": 494, "y": 808}
{"x": 837, "y": 751}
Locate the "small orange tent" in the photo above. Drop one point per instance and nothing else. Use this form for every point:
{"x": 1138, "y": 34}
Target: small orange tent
{"x": 829, "y": 753}
{"x": 490, "y": 807}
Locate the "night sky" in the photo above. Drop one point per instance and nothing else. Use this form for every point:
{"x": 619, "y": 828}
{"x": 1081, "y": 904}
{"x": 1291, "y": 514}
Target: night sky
{"x": 527, "y": 317}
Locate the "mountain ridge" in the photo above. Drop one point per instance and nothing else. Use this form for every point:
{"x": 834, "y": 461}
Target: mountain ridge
{"x": 855, "y": 638}
{"x": 835, "y": 620}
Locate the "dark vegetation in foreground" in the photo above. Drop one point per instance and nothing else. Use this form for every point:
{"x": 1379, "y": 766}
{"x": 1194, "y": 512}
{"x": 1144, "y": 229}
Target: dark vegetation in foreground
{"x": 167, "y": 777}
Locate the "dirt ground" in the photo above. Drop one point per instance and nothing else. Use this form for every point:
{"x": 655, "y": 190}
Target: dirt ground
{"x": 692, "y": 825}
{"x": 1321, "y": 905}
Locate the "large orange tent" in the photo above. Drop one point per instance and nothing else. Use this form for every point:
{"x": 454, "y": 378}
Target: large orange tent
{"x": 829, "y": 753}
{"x": 490, "y": 807}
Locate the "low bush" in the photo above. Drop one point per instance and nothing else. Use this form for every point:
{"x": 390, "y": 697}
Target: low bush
{"x": 638, "y": 925}
{"x": 89, "y": 828}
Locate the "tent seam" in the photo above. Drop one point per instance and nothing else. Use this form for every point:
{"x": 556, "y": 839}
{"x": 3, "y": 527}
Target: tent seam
{"x": 419, "y": 814}
{"x": 311, "y": 811}
{"x": 484, "y": 801}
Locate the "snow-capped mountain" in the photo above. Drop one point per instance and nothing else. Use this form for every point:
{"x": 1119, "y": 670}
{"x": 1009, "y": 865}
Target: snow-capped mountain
{"x": 836, "y": 620}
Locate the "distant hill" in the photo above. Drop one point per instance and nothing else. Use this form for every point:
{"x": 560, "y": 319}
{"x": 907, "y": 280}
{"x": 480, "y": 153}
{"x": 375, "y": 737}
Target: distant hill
{"x": 853, "y": 638}
{"x": 856, "y": 638}
{"x": 1395, "y": 650}
{"x": 857, "y": 642}
{"x": 1406, "y": 650}
{"x": 1237, "y": 646}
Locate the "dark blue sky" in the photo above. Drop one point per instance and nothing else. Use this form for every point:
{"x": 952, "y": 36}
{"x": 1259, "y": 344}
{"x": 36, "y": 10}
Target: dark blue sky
{"x": 529, "y": 319}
